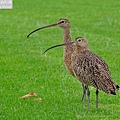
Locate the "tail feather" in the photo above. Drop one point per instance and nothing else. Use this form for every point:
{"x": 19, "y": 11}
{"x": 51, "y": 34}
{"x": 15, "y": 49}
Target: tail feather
{"x": 117, "y": 87}
{"x": 113, "y": 93}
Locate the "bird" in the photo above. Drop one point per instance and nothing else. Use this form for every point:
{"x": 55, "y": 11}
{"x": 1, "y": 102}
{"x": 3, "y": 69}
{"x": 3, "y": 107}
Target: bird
{"x": 69, "y": 49}
{"x": 90, "y": 69}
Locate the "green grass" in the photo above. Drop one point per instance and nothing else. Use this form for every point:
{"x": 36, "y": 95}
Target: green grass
{"x": 24, "y": 68}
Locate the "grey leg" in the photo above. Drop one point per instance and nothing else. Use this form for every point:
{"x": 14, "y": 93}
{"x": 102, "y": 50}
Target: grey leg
{"x": 88, "y": 93}
{"x": 97, "y": 98}
{"x": 84, "y": 92}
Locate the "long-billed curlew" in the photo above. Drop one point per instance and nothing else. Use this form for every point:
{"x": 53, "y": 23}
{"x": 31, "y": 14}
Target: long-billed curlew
{"x": 90, "y": 69}
{"x": 68, "y": 50}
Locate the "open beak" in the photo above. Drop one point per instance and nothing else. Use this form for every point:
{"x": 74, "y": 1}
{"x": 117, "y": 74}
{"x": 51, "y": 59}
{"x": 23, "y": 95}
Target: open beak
{"x": 56, "y": 24}
{"x": 67, "y": 43}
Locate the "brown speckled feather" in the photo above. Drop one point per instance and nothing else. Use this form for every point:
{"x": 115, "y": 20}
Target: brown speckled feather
{"x": 92, "y": 70}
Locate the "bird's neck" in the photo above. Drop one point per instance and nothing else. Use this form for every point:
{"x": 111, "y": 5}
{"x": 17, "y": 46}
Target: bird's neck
{"x": 67, "y": 38}
{"x": 67, "y": 35}
{"x": 68, "y": 49}
{"x": 79, "y": 49}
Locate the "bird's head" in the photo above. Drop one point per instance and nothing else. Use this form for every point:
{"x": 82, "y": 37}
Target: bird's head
{"x": 81, "y": 43}
{"x": 62, "y": 23}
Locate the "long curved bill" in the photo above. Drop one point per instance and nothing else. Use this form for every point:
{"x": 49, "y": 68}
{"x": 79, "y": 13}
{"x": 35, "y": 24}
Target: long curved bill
{"x": 56, "y": 24}
{"x": 67, "y": 43}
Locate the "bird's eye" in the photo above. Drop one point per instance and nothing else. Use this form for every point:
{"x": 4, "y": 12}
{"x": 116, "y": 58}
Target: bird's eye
{"x": 79, "y": 40}
{"x": 62, "y": 21}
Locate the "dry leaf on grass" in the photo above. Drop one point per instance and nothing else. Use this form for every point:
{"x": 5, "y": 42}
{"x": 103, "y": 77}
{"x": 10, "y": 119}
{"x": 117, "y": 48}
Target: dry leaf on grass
{"x": 38, "y": 99}
{"x": 29, "y": 95}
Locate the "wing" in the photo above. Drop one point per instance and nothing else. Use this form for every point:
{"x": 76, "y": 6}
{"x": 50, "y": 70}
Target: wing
{"x": 91, "y": 69}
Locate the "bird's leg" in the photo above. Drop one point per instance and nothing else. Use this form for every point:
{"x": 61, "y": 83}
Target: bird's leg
{"x": 88, "y": 93}
{"x": 97, "y": 98}
{"x": 84, "y": 92}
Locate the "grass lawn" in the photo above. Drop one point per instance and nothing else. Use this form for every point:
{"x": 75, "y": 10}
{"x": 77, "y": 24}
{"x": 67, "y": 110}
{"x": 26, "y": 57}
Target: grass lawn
{"x": 24, "y": 68}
